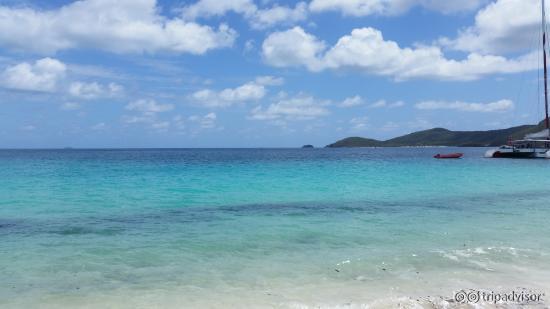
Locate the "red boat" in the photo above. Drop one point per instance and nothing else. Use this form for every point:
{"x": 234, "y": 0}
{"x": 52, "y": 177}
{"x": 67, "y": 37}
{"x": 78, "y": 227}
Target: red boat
{"x": 449, "y": 156}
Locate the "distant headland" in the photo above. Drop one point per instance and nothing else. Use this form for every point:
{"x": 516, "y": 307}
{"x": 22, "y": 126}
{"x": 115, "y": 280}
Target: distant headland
{"x": 444, "y": 137}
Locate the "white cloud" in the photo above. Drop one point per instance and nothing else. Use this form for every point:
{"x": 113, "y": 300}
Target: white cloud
{"x": 366, "y": 50}
{"x": 94, "y": 90}
{"x": 352, "y": 101}
{"x": 149, "y": 106}
{"x": 161, "y": 126}
{"x": 257, "y": 17}
{"x": 384, "y": 104}
{"x": 120, "y": 26}
{"x": 448, "y": 6}
{"x": 207, "y": 121}
{"x": 208, "y": 8}
{"x": 293, "y": 47}
{"x": 503, "y": 26}
{"x": 349, "y": 7}
{"x": 248, "y": 91}
{"x": 391, "y": 7}
{"x": 99, "y": 126}
{"x": 359, "y": 123}
{"x": 145, "y": 118}
{"x": 249, "y": 46}
{"x": 268, "y": 80}
{"x": 251, "y": 91}
{"x": 379, "y": 104}
{"x": 497, "y": 106}
{"x": 229, "y": 96}
{"x": 148, "y": 110}
{"x": 148, "y": 118}
{"x": 42, "y": 75}
{"x": 300, "y": 107}
{"x": 266, "y": 18}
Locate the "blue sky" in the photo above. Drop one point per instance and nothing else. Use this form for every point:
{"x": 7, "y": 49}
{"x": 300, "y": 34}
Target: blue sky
{"x": 264, "y": 73}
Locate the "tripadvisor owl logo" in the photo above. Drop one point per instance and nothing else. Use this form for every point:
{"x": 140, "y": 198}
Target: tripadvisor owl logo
{"x": 476, "y": 296}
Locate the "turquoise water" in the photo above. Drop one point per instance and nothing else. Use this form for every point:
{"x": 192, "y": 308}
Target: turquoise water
{"x": 266, "y": 227}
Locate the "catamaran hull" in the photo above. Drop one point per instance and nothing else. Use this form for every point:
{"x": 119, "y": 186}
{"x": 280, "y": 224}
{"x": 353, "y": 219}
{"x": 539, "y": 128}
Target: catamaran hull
{"x": 518, "y": 154}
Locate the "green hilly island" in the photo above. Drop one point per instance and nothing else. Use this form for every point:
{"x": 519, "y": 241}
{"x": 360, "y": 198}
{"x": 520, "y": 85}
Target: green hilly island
{"x": 444, "y": 137}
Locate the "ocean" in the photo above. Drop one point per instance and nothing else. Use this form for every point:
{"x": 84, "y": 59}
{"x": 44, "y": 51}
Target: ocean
{"x": 269, "y": 228}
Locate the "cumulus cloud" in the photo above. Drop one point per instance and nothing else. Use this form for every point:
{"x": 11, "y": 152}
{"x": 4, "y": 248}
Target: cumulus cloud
{"x": 147, "y": 111}
{"x": 251, "y": 91}
{"x": 259, "y": 18}
{"x": 366, "y": 50}
{"x": 352, "y": 101}
{"x": 133, "y": 119}
{"x": 359, "y": 123}
{"x": 293, "y": 47}
{"x": 385, "y": 104}
{"x": 149, "y": 106}
{"x": 397, "y": 104}
{"x": 301, "y": 107}
{"x": 268, "y": 80}
{"x": 229, "y": 96}
{"x": 94, "y": 90}
{"x": 43, "y": 75}
{"x": 120, "y": 26}
{"x": 503, "y": 26}
{"x": 497, "y": 106}
{"x": 279, "y": 15}
{"x": 161, "y": 125}
{"x": 209, "y": 8}
{"x": 391, "y": 7}
{"x": 207, "y": 121}
{"x": 379, "y": 104}
{"x": 99, "y": 126}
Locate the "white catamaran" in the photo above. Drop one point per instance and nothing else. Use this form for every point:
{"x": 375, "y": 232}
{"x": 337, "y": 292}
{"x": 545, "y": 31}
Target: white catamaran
{"x": 535, "y": 145}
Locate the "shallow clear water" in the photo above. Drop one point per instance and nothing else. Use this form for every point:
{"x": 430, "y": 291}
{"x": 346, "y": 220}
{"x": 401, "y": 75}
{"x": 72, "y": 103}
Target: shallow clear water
{"x": 266, "y": 227}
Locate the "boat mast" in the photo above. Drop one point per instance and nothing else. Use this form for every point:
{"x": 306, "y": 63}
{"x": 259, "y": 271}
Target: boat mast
{"x": 547, "y": 121}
